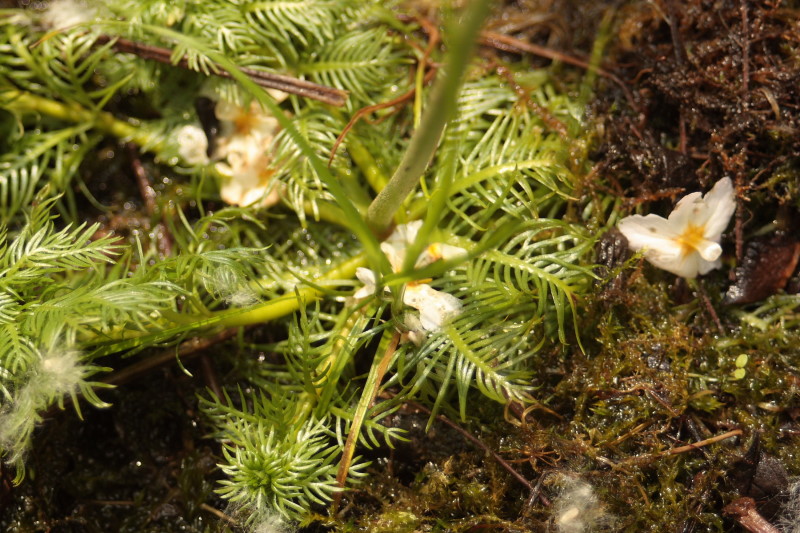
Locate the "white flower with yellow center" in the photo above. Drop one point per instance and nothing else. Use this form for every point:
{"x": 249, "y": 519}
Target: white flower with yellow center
{"x": 245, "y": 140}
{"x": 240, "y": 123}
{"x": 435, "y": 307}
{"x": 686, "y": 243}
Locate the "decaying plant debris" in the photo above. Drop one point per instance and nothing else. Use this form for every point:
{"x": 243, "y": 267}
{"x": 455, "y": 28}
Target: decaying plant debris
{"x": 667, "y": 405}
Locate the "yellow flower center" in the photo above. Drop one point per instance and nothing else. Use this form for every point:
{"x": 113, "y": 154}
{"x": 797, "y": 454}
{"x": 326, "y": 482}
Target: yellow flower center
{"x": 691, "y": 239}
{"x": 244, "y": 123}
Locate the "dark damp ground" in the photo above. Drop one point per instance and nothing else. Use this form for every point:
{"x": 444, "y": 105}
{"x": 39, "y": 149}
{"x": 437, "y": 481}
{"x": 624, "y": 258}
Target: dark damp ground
{"x": 712, "y": 90}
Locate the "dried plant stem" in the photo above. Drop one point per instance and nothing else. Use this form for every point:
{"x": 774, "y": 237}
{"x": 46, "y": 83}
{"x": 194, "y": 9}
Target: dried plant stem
{"x": 187, "y": 350}
{"x": 510, "y": 44}
{"x": 745, "y": 512}
{"x": 680, "y": 449}
{"x": 216, "y": 512}
{"x": 149, "y": 197}
{"x": 433, "y": 40}
{"x": 269, "y": 80}
{"x": 477, "y": 442}
{"x": 371, "y": 389}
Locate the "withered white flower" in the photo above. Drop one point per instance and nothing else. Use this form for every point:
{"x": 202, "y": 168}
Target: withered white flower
{"x": 192, "y": 145}
{"x": 435, "y": 307}
{"x": 245, "y": 142}
{"x": 248, "y": 175}
{"x": 62, "y": 14}
{"x": 686, "y": 243}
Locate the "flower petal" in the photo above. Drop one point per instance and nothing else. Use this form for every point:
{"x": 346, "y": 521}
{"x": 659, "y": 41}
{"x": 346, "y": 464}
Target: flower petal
{"x": 709, "y": 250}
{"x": 404, "y": 234}
{"x": 670, "y": 258}
{"x": 651, "y": 231}
{"x": 689, "y": 209}
{"x": 415, "y": 333}
{"x": 436, "y": 251}
{"x": 704, "y": 267}
{"x": 192, "y": 145}
{"x": 435, "y": 307}
{"x": 720, "y": 203}
{"x": 396, "y": 254}
{"x": 367, "y": 277}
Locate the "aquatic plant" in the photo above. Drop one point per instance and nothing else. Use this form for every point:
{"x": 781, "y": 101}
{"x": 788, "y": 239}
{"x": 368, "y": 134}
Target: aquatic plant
{"x": 475, "y": 170}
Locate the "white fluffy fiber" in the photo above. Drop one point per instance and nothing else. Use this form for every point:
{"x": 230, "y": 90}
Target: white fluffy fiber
{"x": 789, "y": 520}
{"x": 577, "y": 509}
{"x": 58, "y": 375}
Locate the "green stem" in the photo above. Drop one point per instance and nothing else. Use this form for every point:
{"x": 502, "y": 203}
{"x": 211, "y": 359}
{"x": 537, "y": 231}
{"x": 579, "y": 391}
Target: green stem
{"x": 288, "y": 303}
{"x": 25, "y": 102}
{"x": 439, "y": 110}
{"x": 271, "y": 310}
{"x": 361, "y": 157}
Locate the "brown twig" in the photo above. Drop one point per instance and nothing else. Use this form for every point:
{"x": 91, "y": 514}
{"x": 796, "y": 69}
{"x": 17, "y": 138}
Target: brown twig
{"x": 477, "y": 442}
{"x": 745, "y": 51}
{"x": 680, "y": 449}
{"x": 745, "y": 512}
{"x": 433, "y": 40}
{"x": 738, "y": 227}
{"x": 186, "y": 350}
{"x": 710, "y": 309}
{"x": 524, "y": 95}
{"x": 510, "y": 44}
{"x": 216, "y": 512}
{"x": 674, "y": 31}
{"x": 149, "y": 197}
{"x": 269, "y": 80}
{"x": 372, "y": 108}
{"x": 210, "y": 376}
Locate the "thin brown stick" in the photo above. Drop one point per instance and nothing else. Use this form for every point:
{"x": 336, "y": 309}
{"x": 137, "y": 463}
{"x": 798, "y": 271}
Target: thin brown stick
{"x": 433, "y": 40}
{"x": 477, "y": 442}
{"x": 745, "y": 50}
{"x": 371, "y": 109}
{"x": 680, "y": 449}
{"x": 186, "y": 350}
{"x": 110, "y": 503}
{"x": 216, "y": 512}
{"x": 510, "y": 44}
{"x": 269, "y": 80}
{"x": 163, "y": 236}
{"x": 524, "y": 95}
{"x": 710, "y": 309}
{"x": 677, "y": 43}
{"x": 211, "y": 378}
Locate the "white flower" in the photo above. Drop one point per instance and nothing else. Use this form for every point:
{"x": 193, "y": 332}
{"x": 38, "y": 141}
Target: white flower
{"x": 686, "y": 243}
{"x": 192, "y": 145}
{"x": 435, "y": 307}
{"x": 62, "y": 14}
{"x": 248, "y": 175}
{"x": 246, "y": 141}
{"x": 237, "y": 123}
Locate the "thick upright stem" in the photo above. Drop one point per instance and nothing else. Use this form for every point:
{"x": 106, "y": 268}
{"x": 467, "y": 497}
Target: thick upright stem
{"x": 439, "y": 110}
